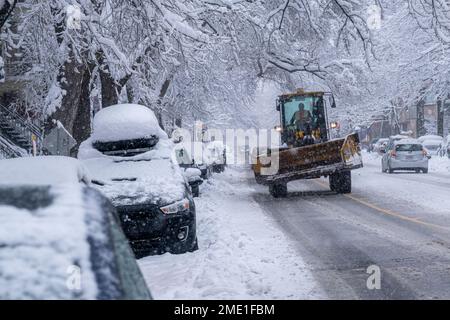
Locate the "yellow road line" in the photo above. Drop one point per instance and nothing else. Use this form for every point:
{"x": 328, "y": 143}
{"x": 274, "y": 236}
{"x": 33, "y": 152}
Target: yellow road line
{"x": 387, "y": 211}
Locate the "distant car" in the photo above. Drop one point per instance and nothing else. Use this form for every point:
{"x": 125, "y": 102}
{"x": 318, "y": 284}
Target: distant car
{"x": 444, "y": 148}
{"x": 61, "y": 239}
{"x": 432, "y": 146}
{"x": 430, "y": 137}
{"x": 380, "y": 145}
{"x": 185, "y": 161}
{"x": 131, "y": 160}
{"x": 216, "y": 155}
{"x": 371, "y": 146}
{"x": 407, "y": 154}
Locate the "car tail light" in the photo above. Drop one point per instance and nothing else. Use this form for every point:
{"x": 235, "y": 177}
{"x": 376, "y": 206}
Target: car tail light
{"x": 424, "y": 152}
{"x": 393, "y": 154}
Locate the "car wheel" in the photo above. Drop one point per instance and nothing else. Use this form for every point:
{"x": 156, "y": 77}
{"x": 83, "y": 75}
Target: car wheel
{"x": 425, "y": 170}
{"x": 341, "y": 182}
{"x": 195, "y": 191}
{"x": 278, "y": 190}
{"x": 190, "y": 245}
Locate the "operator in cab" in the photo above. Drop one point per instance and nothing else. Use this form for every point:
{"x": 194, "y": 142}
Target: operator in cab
{"x": 302, "y": 120}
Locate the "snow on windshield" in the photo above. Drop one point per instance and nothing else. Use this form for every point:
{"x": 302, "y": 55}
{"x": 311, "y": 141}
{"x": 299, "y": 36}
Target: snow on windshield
{"x": 38, "y": 247}
{"x": 46, "y": 170}
{"x": 150, "y": 177}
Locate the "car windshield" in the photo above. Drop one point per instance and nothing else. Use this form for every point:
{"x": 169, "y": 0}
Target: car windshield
{"x": 432, "y": 147}
{"x": 408, "y": 147}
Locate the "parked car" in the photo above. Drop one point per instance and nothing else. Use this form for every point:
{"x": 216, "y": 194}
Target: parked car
{"x": 60, "y": 238}
{"x": 371, "y": 146}
{"x": 407, "y": 154}
{"x": 430, "y": 137}
{"x": 185, "y": 161}
{"x": 444, "y": 148}
{"x": 216, "y": 155}
{"x": 432, "y": 146}
{"x": 131, "y": 161}
{"x": 380, "y": 146}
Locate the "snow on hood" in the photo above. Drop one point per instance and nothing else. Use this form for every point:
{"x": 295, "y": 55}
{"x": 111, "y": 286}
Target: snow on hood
{"x": 126, "y": 122}
{"x": 153, "y": 177}
{"x": 39, "y": 248}
{"x": 45, "y": 170}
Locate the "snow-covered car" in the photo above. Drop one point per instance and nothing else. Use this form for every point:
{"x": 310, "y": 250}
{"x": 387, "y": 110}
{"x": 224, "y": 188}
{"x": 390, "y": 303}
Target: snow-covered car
{"x": 371, "y": 146}
{"x": 216, "y": 155}
{"x": 407, "y": 154}
{"x": 131, "y": 160}
{"x": 432, "y": 146}
{"x": 444, "y": 148}
{"x": 430, "y": 137}
{"x": 380, "y": 145}
{"x": 186, "y": 161}
{"x": 60, "y": 238}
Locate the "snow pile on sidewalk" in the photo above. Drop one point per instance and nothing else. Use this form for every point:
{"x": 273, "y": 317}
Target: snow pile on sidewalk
{"x": 242, "y": 255}
{"x": 439, "y": 164}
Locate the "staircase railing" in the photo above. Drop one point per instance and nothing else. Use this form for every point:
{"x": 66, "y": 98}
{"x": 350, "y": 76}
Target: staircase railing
{"x": 23, "y": 128}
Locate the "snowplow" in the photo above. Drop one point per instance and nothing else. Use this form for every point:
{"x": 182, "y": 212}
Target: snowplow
{"x": 307, "y": 150}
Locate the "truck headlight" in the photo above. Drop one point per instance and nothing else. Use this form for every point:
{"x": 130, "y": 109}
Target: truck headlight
{"x": 176, "y": 207}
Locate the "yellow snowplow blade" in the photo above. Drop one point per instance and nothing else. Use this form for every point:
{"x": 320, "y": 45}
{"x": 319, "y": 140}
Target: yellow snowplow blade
{"x": 308, "y": 162}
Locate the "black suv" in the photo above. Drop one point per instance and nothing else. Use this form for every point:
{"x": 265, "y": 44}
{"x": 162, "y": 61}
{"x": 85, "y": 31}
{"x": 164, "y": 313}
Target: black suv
{"x": 149, "y": 190}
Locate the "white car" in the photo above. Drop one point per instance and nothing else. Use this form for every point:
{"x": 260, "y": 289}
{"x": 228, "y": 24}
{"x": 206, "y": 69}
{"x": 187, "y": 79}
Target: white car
{"x": 406, "y": 154}
{"x": 432, "y": 146}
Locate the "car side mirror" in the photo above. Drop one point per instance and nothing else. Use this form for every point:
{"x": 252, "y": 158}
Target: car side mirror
{"x": 333, "y": 102}
{"x": 278, "y": 105}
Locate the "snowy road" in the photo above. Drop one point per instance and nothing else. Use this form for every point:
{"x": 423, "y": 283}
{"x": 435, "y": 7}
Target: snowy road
{"x": 399, "y": 222}
{"x": 315, "y": 243}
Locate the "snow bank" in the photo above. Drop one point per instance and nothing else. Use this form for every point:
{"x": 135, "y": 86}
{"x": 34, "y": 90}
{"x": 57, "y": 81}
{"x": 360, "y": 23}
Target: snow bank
{"x": 126, "y": 122}
{"x": 46, "y": 170}
{"x": 242, "y": 255}
{"x": 39, "y": 248}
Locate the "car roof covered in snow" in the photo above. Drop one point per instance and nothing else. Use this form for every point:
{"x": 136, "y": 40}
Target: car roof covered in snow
{"x": 430, "y": 137}
{"x": 408, "y": 141}
{"x": 45, "y": 170}
{"x": 125, "y": 122}
{"x": 44, "y": 243}
{"x": 431, "y": 142}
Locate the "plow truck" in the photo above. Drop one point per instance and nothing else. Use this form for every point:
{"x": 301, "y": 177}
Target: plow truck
{"x": 307, "y": 150}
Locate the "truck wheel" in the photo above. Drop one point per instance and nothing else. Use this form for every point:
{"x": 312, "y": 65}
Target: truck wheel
{"x": 278, "y": 190}
{"x": 341, "y": 182}
{"x": 195, "y": 191}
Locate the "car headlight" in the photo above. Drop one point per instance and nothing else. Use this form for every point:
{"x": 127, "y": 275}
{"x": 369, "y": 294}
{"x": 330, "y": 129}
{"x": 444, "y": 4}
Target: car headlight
{"x": 176, "y": 207}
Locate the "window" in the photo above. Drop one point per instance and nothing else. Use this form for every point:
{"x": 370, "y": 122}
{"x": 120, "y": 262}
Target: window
{"x": 408, "y": 147}
{"x": 313, "y": 106}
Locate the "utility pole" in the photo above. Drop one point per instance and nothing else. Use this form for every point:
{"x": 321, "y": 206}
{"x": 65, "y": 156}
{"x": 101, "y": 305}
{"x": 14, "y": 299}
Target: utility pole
{"x": 420, "y": 122}
{"x": 440, "y": 118}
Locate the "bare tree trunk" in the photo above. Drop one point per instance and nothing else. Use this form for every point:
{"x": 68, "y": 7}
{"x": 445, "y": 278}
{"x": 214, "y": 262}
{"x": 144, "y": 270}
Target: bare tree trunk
{"x": 82, "y": 123}
{"x": 73, "y": 73}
